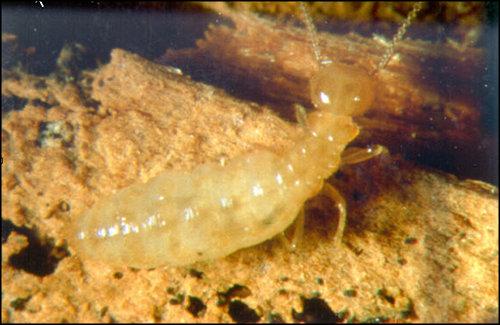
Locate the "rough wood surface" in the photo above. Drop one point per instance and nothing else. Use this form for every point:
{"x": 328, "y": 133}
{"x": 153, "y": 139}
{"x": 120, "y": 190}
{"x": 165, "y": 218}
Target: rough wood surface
{"x": 420, "y": 246}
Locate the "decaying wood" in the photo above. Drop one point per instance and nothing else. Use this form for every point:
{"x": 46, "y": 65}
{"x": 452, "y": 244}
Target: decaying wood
{"x": 428, "y": 97}
{"x": 420, "y": 246}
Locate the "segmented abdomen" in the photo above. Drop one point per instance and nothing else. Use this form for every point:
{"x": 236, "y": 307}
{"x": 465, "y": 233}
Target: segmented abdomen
{"x": 178, "y": 218}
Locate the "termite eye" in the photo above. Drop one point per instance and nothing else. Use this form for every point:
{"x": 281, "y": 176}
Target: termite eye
{"x": 342, "y": 89}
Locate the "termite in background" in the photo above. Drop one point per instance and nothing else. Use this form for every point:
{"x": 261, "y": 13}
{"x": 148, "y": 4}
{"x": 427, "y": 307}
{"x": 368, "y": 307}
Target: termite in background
{"x": 181, "y": 217}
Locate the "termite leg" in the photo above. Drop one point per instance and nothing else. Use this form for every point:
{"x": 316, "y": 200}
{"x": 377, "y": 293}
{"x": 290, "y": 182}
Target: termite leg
{"x": 300, "y": 115}
{"x": 298, "y": 232}
{"x": 356, "y": 155}
{"x": 339, "y": 200}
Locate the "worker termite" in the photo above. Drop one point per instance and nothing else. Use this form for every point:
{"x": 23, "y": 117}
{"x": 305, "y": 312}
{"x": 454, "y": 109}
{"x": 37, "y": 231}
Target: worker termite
{"x": 180, "y": 217}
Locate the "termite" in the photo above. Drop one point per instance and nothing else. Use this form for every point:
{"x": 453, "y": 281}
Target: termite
{"x": 181, "y": 217}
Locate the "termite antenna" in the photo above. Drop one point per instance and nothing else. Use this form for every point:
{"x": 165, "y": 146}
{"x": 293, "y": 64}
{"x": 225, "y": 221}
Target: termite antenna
{"x": 417, "y": 6}
{"x": 311, "y": 30}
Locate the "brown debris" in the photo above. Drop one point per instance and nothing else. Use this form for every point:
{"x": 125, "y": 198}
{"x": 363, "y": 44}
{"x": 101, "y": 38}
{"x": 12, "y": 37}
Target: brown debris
{"x": 465, "y": 13}
{"x": 420, "y": 246}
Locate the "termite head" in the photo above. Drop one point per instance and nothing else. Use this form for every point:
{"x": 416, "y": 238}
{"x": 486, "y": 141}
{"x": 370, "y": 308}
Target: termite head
{"x": 342, "y": 89}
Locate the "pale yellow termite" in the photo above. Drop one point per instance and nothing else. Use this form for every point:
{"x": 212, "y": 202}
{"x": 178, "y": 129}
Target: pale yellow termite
{"x": 181, "y": 217}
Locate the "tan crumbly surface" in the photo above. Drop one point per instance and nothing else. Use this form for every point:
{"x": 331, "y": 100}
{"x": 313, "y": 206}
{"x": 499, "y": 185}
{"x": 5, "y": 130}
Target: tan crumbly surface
{"x": 420, "y": 246}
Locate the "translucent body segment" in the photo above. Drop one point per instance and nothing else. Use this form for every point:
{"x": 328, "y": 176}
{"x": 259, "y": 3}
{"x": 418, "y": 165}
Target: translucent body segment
{"x": 227, "y": 209}
{"x": 342, "y": 89}
{"x": 178, "y": 218}
{"x": 354, "y": 155}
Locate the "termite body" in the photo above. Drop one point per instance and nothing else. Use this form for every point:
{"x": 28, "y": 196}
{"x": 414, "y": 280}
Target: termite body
{"x": 181, "y": 217}
{"x": 178, "y": 218}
